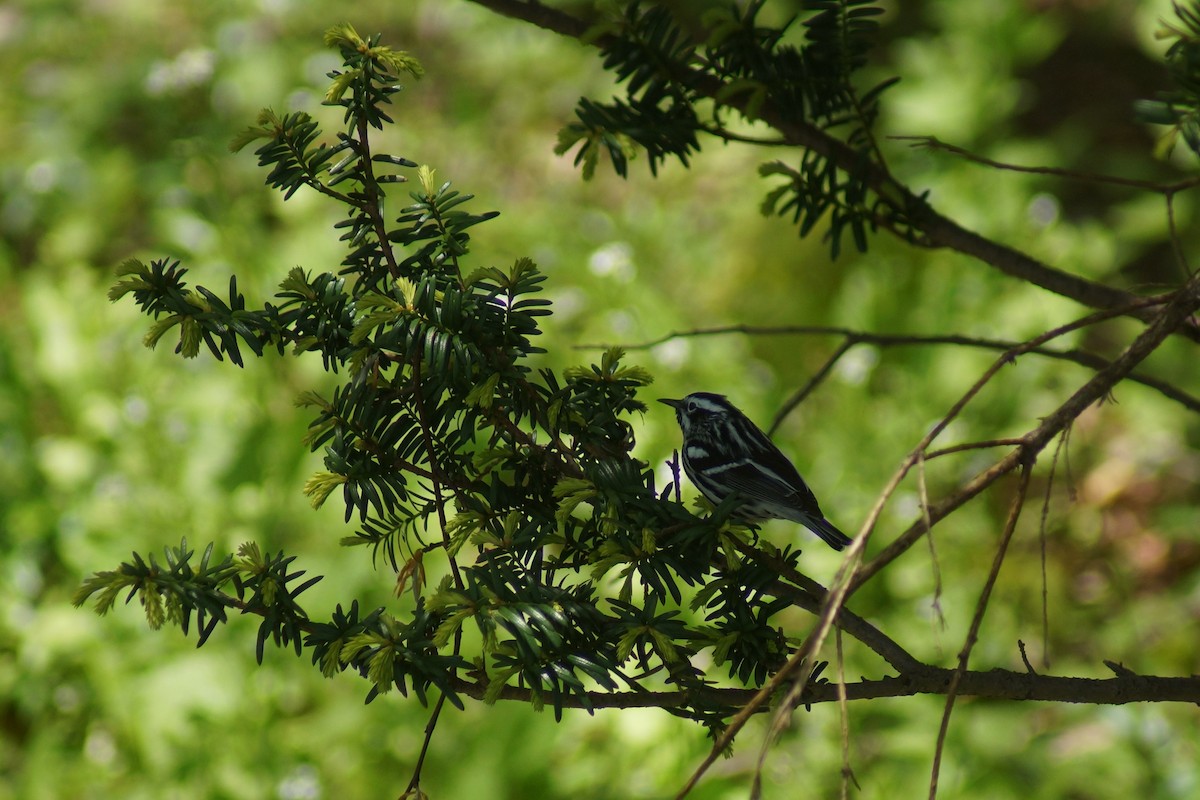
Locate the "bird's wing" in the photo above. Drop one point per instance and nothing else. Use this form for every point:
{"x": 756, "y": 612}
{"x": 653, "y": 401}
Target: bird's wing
{"x": 768, "y": 477}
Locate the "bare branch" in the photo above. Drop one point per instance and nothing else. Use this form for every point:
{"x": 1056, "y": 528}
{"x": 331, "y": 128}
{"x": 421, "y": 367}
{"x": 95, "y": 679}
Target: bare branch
{"x": 1010, "y": 525}
{"x": 854, "y": 337}
{"x": 967, "y": 446}
{"x": 1185, "y": 303}
{"x": 844, "y": 713}
{"x": 1062, "y": 448}
{"x": 934, "y": 143}
{"x": 813, "y": 382}
{"x": 852, "y": 574}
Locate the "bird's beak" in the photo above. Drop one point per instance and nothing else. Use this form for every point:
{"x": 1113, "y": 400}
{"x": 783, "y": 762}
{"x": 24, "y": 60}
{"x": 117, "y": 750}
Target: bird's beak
{"x": 671, "y": 403}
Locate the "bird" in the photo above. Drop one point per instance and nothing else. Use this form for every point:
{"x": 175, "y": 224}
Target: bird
{"x": 725, "y": 453}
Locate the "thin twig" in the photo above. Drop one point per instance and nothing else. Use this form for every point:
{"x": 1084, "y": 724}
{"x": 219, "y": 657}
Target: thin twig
{"x": 414, "y": 782}
{"x": 813, "y": 382}
{"x": 992, "y": 684}
{"x": 729, "y": 136}
{"x": 1025, "y": 658}
{"x": 372, "y": 204}
{"x": 418, "y": 398}
{"x": 844, "y": 715}
{"x": 934, "y": 143}
{"x": 966, "y": 446}
{"x": 1000, "y": 684}
{"x": 1094, "y": 389}
{"x": 1062, "y": 444}
{"x": 1010, "y": 525}
{"x": 1074, "y": 355}
{"x": 923, "y": 491}
{"x": 852, "y": 574}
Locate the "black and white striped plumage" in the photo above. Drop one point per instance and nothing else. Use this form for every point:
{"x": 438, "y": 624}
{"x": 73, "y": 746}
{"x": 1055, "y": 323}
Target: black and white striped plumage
{"x": 724, "y": 452}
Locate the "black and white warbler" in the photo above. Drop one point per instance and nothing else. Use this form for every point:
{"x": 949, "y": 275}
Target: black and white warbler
{"x": 725, "y": 453}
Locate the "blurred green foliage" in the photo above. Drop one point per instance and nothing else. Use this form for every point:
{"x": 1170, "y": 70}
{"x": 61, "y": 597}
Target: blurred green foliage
{"x": 114, "y": 128}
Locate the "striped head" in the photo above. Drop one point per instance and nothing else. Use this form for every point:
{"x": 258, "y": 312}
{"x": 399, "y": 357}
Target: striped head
{"x": 702, "y": 414}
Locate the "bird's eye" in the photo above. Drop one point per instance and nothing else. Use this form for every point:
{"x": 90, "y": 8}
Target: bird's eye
{"x": 692, "y": 406}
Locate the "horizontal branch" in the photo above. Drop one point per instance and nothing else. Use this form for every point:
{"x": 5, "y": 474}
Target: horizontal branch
{"x": 915, "y": 678}
{"x": 854, "y": 337}
{"x": 994, "y": 684}
{"x": 1004, "y": 684}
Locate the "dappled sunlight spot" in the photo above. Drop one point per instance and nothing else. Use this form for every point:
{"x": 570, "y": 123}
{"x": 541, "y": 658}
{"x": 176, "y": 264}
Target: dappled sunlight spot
{"x": 190, "y": 68}
{"x": 43, "y": 176}
{"x": 905, "y": 505}
{"x": 136, "y": 410}
{"x": 1149, "y": 554}
{"x": 1089, "y": 587}
{"x": 613, "y": 260}
{"x": 856, "y": 366}
{"x": 67, "y": 699}
{"x": 1106, "y": 482}
{"x": 568, "y": 303}
{"x": 64, "y": 461}
{"x": 24, "y": 578}
{"x": 191, "y": 231}
{"x": 101, "y": 414}
{"x": 100, "y": 747}
{"x": 1089, "y": 737}
{"x": 643, "y": 726}
{"x": 302, "y": 783}
{"x": 1043, "y": 210}
{"x": 673, "y": 354}
{"x": 112, "y": 488}
{"x": 621, "y": 323}
{"x": 199, "y": 685}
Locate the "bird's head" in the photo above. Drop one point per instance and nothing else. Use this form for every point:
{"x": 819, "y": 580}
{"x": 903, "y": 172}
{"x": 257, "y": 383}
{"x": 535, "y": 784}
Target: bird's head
{"x": 699, "y": 410}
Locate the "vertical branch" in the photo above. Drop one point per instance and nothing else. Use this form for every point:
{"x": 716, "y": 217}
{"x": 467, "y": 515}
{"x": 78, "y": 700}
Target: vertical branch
{"x": 923, "y": 490}
{"x": 674, "y": 465}
{"x": 414, "y": 783}
{"x": 434, "y": 468}
{"x": 372, "y": 204}
{"x": 1010, "y": 525}
{"x": 1062, "y": 444}
{"x": 436, "y": 480}
{"x": 844, "y": 714}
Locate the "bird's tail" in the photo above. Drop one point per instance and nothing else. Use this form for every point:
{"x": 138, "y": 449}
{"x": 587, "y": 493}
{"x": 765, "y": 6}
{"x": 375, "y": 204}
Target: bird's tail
{"x": 828, "y": 532}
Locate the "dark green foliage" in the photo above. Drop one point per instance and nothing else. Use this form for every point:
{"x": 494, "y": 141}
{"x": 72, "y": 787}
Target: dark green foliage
{"x": 651, "y": 57}
{"x": 174, "y": 594}
{"x": 159, "y": 289}
{"x": 752, "y": 69}
{"x": 1179, "y": 108}
{"x": 504, "y": 497}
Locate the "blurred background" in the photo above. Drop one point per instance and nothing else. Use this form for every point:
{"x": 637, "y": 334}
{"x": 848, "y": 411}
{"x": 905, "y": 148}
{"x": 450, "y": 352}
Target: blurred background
{"x": 114, "y": 125}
